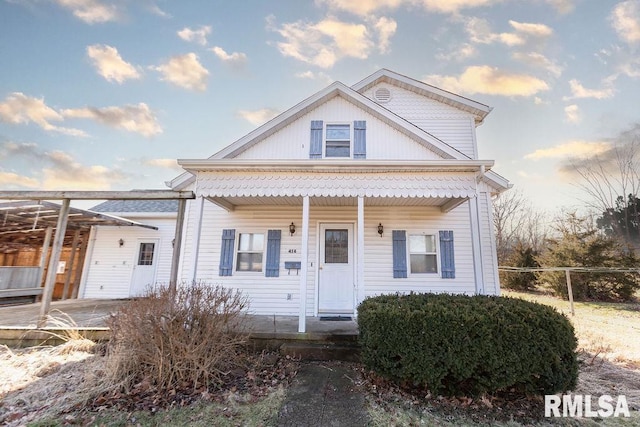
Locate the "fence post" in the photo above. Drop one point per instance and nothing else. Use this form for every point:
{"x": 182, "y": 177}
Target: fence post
{"x": 568, "y": 275}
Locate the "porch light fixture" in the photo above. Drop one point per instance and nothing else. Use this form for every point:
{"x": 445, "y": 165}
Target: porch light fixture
{"x": 292, "y": 229}
{"x": 121, "y": 242}
{"x": 380, "y": 229}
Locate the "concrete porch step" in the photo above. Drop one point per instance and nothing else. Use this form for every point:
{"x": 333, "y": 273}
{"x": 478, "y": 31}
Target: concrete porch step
{"x": 345, "y": 351}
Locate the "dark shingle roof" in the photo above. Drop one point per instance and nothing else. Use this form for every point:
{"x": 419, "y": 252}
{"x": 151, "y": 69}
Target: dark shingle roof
{"x": 137, "y": 206}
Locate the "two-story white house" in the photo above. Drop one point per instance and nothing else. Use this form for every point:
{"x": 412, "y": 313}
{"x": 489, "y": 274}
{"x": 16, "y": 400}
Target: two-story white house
{"x": 355, "y": 191}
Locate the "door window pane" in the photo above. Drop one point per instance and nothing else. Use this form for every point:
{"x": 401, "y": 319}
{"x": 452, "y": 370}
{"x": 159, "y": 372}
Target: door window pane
{"x": 145, "y": 257}
{"x": 336, "y": 246}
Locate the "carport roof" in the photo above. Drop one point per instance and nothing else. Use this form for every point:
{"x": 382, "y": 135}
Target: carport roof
{"x": 23, "y": 223}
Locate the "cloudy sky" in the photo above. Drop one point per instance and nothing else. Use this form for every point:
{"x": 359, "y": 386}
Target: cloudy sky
{"x": 106, "y": 94}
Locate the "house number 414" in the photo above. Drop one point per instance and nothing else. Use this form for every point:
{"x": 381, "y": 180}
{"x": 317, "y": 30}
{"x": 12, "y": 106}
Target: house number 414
{"x": 293, "y": 251}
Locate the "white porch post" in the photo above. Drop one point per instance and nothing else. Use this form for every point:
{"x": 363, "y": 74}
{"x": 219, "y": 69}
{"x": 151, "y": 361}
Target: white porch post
{"x": 360, "y": 257}
{"x": 302, "y": 320}
{"x": 474, "y": 215}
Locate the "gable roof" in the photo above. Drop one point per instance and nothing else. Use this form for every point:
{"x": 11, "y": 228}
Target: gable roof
{"x": 477, "y": 109}
{"x": 355, "y": 96}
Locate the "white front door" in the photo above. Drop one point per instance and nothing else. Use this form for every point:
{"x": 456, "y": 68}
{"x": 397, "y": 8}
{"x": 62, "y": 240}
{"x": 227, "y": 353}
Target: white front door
{"x": 335, "y": 283}
{"x": 144, "y": 270}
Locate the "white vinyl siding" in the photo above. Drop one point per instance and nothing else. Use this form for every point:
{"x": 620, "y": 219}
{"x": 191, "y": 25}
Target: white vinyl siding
{"x": 292, "y": 142}
{"x": 272, "y": 297}
{"x": 109, "y": 268}
{"x": 452, "y": 126}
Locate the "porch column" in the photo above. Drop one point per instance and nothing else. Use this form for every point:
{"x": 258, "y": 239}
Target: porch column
{"x": 302, "y": 319}
{"x": 44, "y": 254}
{"x": 58, "y": 242}
{"x": 474, "y": 215}
{"x": 360, "y": 257}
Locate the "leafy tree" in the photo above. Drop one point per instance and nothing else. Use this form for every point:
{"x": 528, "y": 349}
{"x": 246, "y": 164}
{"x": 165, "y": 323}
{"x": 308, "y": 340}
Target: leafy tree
{"x": 522, "y": 256}
{"x": 580, "y": 244}
{"x": 623, "y": 221}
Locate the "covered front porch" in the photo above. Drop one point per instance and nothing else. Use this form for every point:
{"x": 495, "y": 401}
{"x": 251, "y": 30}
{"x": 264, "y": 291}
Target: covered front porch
{"x": 88, "y": 317}
{"x": 356, "y": 188}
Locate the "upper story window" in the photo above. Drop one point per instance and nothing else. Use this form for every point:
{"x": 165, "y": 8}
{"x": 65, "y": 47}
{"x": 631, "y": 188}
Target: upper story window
{"x": 338, "y": 140}
{"x": 250, "y": 250}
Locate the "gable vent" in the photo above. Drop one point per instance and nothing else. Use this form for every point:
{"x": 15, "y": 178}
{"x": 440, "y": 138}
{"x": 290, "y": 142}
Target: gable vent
{"x": 382, "y": 95}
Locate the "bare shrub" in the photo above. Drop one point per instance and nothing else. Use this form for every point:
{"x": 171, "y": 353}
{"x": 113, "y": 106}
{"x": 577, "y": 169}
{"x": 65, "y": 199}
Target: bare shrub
{"x": 193, "y": 337}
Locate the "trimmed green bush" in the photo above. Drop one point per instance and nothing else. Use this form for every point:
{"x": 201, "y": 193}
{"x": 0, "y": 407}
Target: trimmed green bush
{"x": 468, "y": 345}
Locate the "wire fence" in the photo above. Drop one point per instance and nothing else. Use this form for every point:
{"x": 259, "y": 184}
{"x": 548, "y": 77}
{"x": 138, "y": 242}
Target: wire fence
{"x": 567, "y": 272}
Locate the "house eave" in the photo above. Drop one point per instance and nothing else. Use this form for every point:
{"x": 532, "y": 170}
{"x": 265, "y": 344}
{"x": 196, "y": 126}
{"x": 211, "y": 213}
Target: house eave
{"x": 204, "y": 165}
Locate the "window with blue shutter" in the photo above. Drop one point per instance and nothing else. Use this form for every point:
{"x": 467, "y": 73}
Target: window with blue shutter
{"x": 447, "y": 264}
{"x": 226, "y": 252}
{"x": 315, "y": 146}
{"x": 399, "y": 254}
{"x": 359, "y": 139}
{"x": 273, "y": 253}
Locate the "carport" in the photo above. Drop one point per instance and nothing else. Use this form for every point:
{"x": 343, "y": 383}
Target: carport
{"x": 35, "y": 222}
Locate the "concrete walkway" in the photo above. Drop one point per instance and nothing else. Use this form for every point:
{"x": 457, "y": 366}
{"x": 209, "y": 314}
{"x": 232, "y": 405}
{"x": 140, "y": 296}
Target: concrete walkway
{"x": 323, "y": 394}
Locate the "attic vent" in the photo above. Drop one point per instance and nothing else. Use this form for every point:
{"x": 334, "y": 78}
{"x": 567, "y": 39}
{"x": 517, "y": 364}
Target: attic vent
{"x": 382, "y": 95}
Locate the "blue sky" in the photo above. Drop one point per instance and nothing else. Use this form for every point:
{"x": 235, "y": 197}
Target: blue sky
{"x": 106, "y": 94}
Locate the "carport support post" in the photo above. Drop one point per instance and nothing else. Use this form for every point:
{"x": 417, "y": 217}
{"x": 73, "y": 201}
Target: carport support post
{"x": 72, "y": 258}
{"x": 44, "y": 254}
{"x": 302, "y": 319}
{"x": 50, "y": 283}
{"x": 177, "y": 246}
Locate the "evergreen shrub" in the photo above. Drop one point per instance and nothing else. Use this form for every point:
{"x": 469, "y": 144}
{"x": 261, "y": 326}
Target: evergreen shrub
{"x": 468, "y": 345}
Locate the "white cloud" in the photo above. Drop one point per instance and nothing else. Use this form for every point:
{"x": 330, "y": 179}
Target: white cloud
{"x": 480, "y": 31}
{"x": 369, "y": 7}
{"x": 132, "y": 118}
{"x": 110, "y": 64}
{"x": 625, "y": 19}
{"x": 163, "y": 163}
{"x": 235, "y": 59}
{"x": 184, "y": 71}
{"x": 489, "y": 80}
{"x": 58, "y": 170}
{"x": 562, "y": 6}
{"x": 538, "y": 60}
{"x": 19, "y": 108}
{"x": 258, "y": 117}
{"x": 571, "y": 149}
{"x": 579, "y": 91}
{"x": 572, "y": 114}
{"x": 13, "y": 180}
{"x": 91, "y": 11}
{"x": 197, "y": 36}
{"x": 323, "y": 77}
{"x": 463, "y": 52}
{"x": 325, "y": 42}
{"x": 386, "y": 28}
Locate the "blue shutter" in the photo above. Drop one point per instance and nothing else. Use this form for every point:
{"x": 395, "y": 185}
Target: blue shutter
{"x": 359, "y": 139}
{"x": 399, "y": 254}
{"x": 226, "y": 252}
{"x": 273, "y": 253}
{"x": 447, "y": 264}
{"x": 315, "y": 147}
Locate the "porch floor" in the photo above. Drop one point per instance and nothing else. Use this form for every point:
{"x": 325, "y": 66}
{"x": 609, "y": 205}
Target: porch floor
{"x": 88, "y": 316}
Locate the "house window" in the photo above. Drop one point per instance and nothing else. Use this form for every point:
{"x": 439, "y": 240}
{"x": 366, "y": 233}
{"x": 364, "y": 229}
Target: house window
{"x": 250, "y": 250}
{"x": 338, "y": 140}
{"x": 145, "y": 256}
{"x": 422, "y": 253}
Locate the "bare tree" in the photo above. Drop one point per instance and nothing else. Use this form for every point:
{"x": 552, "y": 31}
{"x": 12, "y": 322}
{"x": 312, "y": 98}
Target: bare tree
{"x": 516, "y": 222}
{"x": 611, "y": 182}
